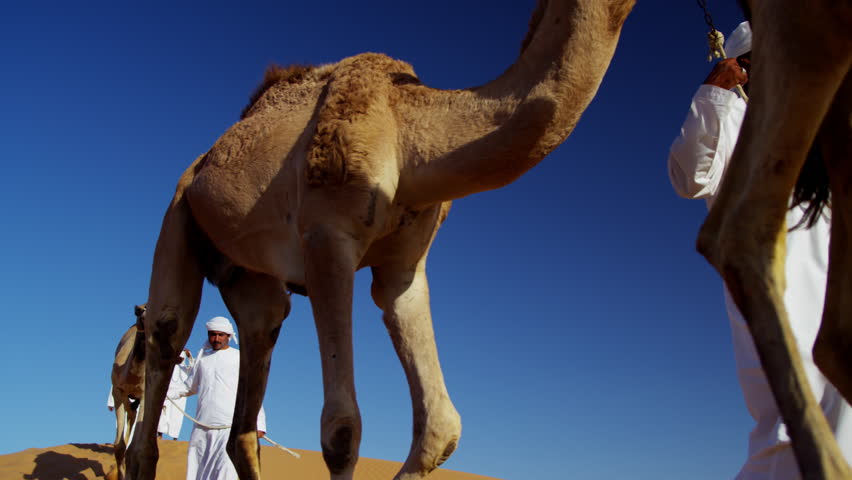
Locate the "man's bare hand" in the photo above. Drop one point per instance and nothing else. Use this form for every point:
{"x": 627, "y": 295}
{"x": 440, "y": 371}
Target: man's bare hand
{"x": 727, "y": 74}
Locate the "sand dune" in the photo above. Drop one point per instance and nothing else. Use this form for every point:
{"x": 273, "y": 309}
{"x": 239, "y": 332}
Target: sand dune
{"x": 90, "y": 461}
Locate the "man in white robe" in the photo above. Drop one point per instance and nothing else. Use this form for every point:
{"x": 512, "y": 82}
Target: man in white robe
{"x": 697, "y": 162}
{"x": 214, "y": 378}
{"x": 171, "y": 419}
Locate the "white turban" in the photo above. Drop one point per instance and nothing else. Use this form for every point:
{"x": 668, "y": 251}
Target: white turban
{"x": 217, "y": 324}
{"x": 739, "y": 41}
{"x": 220, "y": 324}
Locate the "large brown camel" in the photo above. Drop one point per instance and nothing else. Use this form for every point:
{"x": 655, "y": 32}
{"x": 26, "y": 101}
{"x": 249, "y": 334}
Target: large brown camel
{"x": 800, "y": 96}
{"x": 347, "y": 166}
{"x": 128, "y": 384}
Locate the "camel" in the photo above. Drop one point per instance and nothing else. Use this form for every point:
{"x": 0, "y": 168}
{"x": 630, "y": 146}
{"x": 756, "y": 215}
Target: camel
{"x": 128, "y": 384}
{"x": 346, "y": 166}
{"x": 801, "y": 95}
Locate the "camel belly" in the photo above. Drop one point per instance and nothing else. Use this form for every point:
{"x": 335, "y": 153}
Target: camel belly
{"x": 245, "y": 197}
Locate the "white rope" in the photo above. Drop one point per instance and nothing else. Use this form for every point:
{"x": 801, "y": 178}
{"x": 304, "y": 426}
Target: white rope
{"x": 717, "y": 50}
{"x": 291, "y": 452}
{"x": 222, "y": 427}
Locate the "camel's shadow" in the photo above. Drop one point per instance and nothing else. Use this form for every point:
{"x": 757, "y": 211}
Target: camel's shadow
{"x": 95, "y": 447}
{"x": 57, "y": 466}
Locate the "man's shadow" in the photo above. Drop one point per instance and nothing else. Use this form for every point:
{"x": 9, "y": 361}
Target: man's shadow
{"x": 57, "y": 466}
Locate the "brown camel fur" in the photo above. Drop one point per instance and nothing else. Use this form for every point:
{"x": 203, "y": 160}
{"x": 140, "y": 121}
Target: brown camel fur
{"x": 128, "y": 384}
{"x": 801, "y": 92}
{"x": 347, "y": 166}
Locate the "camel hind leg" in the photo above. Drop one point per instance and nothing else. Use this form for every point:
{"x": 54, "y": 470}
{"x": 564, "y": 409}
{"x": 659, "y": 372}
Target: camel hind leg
{"x": 259, "y": 305}
{"x": 834, "y": 341}
{"x": 403, "y": 295}
{"x": 173, "y": 300}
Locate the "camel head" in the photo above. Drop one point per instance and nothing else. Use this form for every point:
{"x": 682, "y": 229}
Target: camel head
{"x": 139, "y": 311}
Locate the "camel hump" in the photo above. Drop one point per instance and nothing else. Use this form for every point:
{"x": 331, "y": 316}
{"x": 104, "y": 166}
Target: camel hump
{"x": 359, "y": 91}
{"x": 275, "y": 74}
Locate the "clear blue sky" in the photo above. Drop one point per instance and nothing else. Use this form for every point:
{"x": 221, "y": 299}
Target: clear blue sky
{"x": 580, "y": 334}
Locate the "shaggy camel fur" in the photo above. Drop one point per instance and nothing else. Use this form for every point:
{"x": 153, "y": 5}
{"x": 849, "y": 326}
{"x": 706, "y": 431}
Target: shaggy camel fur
{"x": 801, "y": 92}
{"x": 128, "y": 383}
{"x": 347, "y": 166}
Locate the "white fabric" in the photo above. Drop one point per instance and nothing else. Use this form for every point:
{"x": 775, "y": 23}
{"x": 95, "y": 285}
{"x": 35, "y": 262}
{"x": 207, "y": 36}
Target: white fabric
{"x": 697, "y": 161}
{"x": 739, "y": 41}
{"x": 171, "y": 419}
{"x": 214, "y": 378}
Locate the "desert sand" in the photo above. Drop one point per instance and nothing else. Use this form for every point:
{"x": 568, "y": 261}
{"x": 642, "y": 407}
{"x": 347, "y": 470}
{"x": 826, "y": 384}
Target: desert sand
{"x": 90, "y": 461}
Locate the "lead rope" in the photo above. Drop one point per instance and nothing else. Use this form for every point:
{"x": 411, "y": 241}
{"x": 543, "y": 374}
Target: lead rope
{"x": 716, "y": 41}
{"x": 222, "y": 427}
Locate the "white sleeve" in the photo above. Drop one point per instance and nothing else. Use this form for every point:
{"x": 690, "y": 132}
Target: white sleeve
{"x": 699, "y": 155}
{"x": 187, "y": 388}
{"x": 261, "y": 420}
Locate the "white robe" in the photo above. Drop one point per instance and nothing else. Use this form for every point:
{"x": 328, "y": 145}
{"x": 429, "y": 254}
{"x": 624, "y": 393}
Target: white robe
{"x": 214, "y": 378}
{"x": 171, "y": 419}
{"x": 697, "y": 161}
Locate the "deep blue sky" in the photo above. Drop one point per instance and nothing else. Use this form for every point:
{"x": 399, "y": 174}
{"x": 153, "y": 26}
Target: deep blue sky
{"x": 580, "y": 334}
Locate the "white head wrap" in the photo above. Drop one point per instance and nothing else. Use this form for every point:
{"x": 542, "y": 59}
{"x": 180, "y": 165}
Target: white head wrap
{"x": 218, "y": 324}
{"x": 739, "y": 41}
{"x": 221, "y": 324}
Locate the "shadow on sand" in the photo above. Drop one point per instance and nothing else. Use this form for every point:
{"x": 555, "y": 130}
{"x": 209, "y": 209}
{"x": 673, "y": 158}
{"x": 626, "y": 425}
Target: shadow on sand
{"x": 96, "y": 447}
{"x": 54, "y": 466}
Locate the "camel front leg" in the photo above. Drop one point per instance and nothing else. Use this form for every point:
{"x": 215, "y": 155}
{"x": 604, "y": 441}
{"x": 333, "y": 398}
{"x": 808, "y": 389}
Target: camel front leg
{"x": 834, "y": 341}
{"x": 259, "y": 305}
{"x": 330, "y": 273}
{"x": 755, "y": 281}
{"x": 793, "y": 80}
{"x": 173, "y": 299}
{"x": 403, "y": 295}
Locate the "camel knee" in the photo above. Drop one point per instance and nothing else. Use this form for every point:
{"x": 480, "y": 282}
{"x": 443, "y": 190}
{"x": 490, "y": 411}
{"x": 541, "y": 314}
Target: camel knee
{"x": 341, "y": 438}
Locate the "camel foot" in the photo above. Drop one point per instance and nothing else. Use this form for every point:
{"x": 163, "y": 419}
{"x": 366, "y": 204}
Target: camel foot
{"x": 433, "y": 446}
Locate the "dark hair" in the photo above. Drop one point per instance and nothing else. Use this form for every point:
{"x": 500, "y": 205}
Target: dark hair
{"x": 812, "y": 187}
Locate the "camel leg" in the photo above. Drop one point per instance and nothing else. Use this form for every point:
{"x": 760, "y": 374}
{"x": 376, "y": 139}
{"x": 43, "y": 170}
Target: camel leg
{"x": 834, "y": 341}
{"x": 121, "y": 431}
{"x": 743, "y": 236}
{"x": 330, "y": 274}
{"x": 259, "y": 305}
{"x": 173, "y": 300}
{"x": 403, "y": 295}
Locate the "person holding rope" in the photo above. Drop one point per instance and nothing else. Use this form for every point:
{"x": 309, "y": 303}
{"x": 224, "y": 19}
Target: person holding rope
{"x": 697, "y": 161}
{"x": 171, "y": 419}
{"x": 214, "y": 379}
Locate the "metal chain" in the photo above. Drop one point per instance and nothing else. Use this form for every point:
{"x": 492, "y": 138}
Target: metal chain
{"x": 707, "y": 17}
